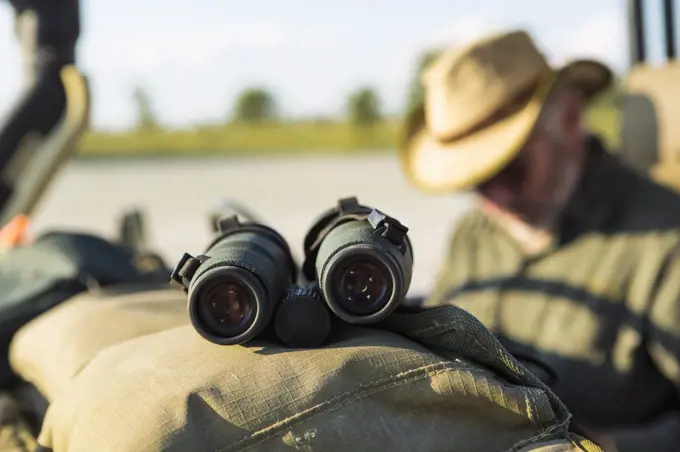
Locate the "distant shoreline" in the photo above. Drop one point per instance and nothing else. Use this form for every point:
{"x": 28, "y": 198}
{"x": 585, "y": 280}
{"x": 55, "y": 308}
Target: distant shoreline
{"x": 179, "y": 155}
{"x": 237, "y": 141}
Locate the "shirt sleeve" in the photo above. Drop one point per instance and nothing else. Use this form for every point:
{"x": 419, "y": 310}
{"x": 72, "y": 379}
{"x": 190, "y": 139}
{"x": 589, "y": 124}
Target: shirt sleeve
{"x": 452, "y": 272}
{"x": 663, "y": 345}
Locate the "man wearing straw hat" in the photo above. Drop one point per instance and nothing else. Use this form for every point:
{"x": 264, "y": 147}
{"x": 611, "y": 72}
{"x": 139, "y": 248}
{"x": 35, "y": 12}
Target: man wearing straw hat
{"x": 569, "y": 255}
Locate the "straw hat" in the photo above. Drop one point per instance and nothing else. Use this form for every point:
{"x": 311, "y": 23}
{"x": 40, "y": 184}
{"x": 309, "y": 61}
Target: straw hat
{"x": 480, "y": 105}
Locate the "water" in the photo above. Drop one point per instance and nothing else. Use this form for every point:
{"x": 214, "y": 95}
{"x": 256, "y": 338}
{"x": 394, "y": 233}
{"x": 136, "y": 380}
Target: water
{"x": 287, "y": 192}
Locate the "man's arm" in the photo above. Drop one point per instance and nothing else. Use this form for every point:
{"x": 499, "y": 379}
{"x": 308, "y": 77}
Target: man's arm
{"x": 663, "y": 346}
{"x": 458, "y": 261}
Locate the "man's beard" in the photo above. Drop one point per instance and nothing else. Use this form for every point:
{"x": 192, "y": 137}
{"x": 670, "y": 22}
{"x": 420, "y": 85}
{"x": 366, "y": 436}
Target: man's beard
{"x": 532, "y": 221}
{"x": 542, "y": 213}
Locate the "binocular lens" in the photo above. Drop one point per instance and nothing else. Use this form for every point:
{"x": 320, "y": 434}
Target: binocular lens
{"x": 228, "y": 308}
{"x": 233, "y": 290}
{"x": 364, "y": 286}
{"x": 363, "y": 276}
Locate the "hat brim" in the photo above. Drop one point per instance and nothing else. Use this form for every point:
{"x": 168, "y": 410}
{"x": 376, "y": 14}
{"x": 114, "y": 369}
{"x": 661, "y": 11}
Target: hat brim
{"x": 444, "y": 167}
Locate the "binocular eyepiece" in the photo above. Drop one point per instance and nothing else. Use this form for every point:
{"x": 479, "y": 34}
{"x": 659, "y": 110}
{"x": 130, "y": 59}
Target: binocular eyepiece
{"x": 358, "y": 264}
{"x": 362, "y": 260}
{"x": 234, "y": 288}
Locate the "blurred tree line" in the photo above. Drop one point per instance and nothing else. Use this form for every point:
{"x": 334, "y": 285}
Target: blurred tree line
{"x": 258, "y": 105}
{"x": 363, "y": 125}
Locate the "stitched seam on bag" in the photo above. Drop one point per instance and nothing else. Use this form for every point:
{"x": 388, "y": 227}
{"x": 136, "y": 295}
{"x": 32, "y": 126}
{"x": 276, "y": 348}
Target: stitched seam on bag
{"x": 549, "y": 432}
{"x": 342, "y": 400}
{"x": 447, "y": 326}
{"x": 444, "y": 327}
{"x": 543, "y": 432}
{"x": 440, "y": 327}
{"x": 531, "y": 398}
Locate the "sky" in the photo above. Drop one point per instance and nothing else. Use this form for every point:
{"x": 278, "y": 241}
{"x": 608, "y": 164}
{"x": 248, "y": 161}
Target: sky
{"x": 194, "y": 57}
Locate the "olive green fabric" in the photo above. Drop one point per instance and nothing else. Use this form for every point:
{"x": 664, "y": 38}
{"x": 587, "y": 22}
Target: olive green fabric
{"x": 601, "y": 306}
{"x": 426, "y": 381}
{"x": 50, "y": 350}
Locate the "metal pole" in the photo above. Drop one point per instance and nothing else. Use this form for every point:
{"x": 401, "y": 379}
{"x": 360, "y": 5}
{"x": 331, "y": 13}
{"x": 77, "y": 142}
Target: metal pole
{"x": 636, "y": 33}
{"x": 669, "y": 29}
{"x": 47, "y": 31}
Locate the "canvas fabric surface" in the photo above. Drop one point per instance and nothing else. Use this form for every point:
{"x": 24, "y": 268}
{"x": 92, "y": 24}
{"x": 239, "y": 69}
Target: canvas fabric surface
{"x": 133, "y": 376}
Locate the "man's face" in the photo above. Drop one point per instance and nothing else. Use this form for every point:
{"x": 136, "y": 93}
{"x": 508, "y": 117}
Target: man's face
{"x": 537, "y": 184}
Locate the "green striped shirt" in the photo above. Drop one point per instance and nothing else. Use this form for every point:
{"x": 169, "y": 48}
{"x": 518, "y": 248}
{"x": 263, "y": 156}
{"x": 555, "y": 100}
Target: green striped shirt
{"x": 601, "y": 306}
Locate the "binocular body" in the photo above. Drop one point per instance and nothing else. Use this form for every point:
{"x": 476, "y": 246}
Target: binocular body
{"x": 358, "y": 266}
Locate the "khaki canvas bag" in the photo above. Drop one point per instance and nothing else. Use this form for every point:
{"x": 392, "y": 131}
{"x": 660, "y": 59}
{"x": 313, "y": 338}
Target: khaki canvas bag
{"x": 50, "y": 350}
{"x": 430, "y": 381}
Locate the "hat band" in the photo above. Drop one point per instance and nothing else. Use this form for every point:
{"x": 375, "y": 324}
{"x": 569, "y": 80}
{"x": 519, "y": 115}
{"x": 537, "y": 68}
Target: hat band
{"x": 535, "y": 90}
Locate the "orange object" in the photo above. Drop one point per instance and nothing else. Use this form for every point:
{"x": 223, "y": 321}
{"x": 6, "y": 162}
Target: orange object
{"x": 15, "y": 232}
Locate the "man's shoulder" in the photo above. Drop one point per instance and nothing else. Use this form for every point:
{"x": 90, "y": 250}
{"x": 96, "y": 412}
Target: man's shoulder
{"x": 651, "y": 207}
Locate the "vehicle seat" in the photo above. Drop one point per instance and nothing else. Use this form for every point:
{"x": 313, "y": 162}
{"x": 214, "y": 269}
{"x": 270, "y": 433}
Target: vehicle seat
{"x": 650, "y": 130}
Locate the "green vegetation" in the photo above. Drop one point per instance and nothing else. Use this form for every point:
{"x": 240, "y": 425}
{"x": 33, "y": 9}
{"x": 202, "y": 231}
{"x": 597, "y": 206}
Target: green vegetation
{"x": 235, "y": 139}
{"x": 255, "y": 126}
{"x": 239, "y": 138}
{"x": 255, "y": 106}
{"x": 146, "y": 117}
{"x": 363, "y": 108}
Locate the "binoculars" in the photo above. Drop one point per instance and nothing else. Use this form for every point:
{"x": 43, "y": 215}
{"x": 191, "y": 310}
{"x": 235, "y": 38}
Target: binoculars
{"x": 358, "y": 264}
